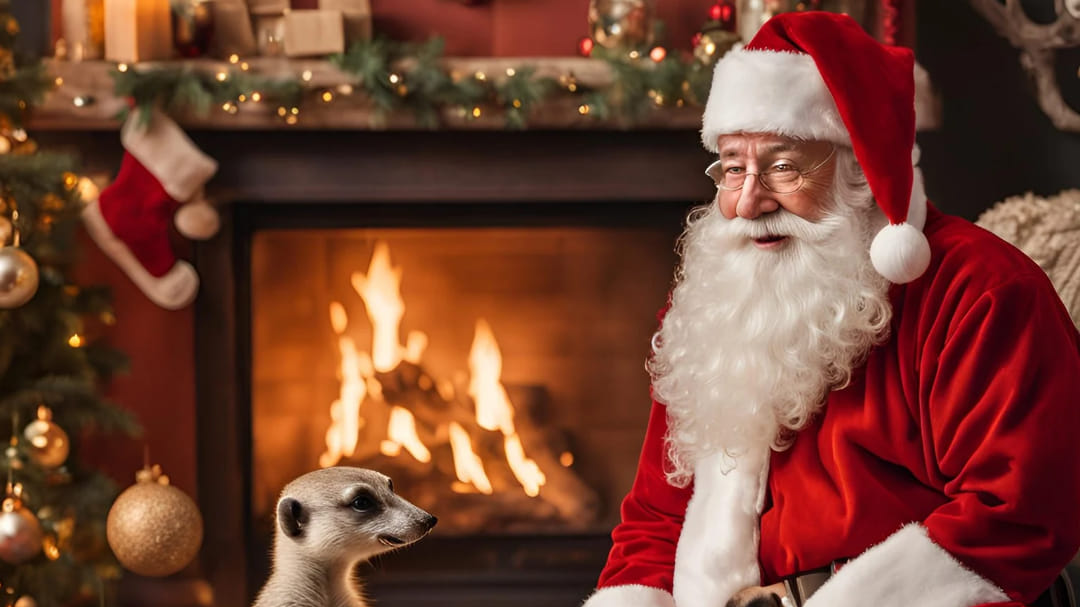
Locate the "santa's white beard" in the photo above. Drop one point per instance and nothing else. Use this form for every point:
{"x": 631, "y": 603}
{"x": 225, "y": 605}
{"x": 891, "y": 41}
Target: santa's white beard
{"x": 754, "y": 339}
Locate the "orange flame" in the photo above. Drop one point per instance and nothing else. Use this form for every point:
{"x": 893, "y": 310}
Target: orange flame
{"x": 402, "y": 433}
{"x": 345, "y": 420}
{"x": 380, "y": 290}
{"x": 467, "y": 464}
{"x": 493, "y": 408}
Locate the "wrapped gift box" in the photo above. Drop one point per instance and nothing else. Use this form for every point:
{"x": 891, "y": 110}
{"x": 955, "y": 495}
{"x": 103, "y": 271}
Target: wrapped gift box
{"x": 313, "y": 33}
{"x": 356, "y": 15}
{"x": 233, "y": 33}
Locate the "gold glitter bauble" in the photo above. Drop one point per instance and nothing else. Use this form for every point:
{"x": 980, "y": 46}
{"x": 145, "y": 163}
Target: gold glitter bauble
{"x": 154, "y": 529}
{"x": 622, "y": 23}
{"x": 47, "y": 443}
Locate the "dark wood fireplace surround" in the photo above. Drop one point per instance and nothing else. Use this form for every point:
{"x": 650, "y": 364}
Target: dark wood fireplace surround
{"x": 330, "y": 178}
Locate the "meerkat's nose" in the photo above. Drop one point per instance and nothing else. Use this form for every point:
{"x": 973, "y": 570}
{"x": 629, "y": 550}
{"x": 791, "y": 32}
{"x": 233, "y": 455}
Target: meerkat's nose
{"x": 430, "y": 522}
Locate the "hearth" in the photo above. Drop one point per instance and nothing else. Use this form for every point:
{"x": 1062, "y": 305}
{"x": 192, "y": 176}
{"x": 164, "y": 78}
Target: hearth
{"x": 482, "y": 345}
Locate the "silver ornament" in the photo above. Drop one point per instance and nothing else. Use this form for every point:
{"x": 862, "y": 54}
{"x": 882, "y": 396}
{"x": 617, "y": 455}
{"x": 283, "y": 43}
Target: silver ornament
{"x": 20, "y": 536}
{"x": 18, "y": 277}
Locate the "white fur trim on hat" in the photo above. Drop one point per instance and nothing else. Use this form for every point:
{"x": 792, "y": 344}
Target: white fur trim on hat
{"x": 756, "y": 91}
{"x": 630, "y": 595}
{"x": 906, "y": 569}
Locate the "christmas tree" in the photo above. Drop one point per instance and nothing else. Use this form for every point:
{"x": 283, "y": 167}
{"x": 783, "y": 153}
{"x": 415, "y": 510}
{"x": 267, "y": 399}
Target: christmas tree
{"x": 53, "y": 548}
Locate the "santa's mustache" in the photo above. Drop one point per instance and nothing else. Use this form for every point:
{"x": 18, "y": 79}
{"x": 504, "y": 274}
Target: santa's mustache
{"x": 779, "y": 223}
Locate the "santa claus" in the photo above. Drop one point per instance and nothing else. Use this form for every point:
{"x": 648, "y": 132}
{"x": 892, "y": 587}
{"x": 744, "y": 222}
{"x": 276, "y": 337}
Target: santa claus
{"x": 859, "y": 400}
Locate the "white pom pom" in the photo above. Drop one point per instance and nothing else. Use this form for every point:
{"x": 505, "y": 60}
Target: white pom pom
{"x": 900, "y": 253}
{"x": 197, "y": 220}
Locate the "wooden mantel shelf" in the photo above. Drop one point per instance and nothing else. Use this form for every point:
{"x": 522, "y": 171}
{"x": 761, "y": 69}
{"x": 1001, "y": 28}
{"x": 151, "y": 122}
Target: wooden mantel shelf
{"x": 85, "y": 100}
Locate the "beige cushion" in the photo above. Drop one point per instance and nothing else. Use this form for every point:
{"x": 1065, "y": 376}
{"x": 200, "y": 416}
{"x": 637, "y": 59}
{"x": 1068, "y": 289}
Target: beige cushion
{"x": 1048, "y": 230}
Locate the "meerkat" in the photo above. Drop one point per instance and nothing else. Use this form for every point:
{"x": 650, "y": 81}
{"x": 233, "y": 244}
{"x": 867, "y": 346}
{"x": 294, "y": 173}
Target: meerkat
{"x": 328, "y": 521}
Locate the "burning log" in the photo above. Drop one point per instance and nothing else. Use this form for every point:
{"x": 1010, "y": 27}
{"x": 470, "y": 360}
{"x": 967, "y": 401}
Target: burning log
{"x": 469, "y": 453}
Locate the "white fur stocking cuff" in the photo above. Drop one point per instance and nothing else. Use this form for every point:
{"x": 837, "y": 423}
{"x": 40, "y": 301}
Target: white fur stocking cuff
{"x": 906, "y": 569}
{"x": 630, "y": 595}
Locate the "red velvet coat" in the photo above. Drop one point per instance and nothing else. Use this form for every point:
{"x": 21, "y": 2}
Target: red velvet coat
{"x": 966, "y": 423}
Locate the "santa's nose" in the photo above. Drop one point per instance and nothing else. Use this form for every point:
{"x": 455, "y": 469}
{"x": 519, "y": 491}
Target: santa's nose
{"x": 754, "y": 200}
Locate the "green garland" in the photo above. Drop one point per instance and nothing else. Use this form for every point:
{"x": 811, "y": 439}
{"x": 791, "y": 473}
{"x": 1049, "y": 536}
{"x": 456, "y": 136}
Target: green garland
{"x": 401, "y": 76}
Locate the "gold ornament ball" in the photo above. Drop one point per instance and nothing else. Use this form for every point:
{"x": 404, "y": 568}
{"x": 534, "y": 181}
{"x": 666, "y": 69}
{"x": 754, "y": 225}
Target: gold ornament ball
{"x": 48, "y": 443}
{"x": 622, "y": 23}
{"x": 18, "y": 277}
{"x": 26, "y": 601}
{"x": 154, "y": 529}
{"x": 20, "y": 535}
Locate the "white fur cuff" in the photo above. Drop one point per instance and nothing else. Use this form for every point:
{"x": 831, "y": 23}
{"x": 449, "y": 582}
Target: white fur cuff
{"x": 907, "y": 569}
{"x": 630, "y": 595}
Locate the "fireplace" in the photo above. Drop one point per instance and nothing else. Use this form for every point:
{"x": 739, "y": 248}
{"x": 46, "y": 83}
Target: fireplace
{"x": 475, "y": 328}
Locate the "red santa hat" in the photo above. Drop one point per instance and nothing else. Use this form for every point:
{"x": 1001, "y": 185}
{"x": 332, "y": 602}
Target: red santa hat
{"x": 819, "y": 76}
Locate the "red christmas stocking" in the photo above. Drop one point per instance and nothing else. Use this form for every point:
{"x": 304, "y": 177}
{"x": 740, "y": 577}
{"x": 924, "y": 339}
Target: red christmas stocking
{"x": 162, "y": 169}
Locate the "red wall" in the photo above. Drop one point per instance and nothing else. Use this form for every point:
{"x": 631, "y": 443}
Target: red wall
{"x": 160, "y": 389}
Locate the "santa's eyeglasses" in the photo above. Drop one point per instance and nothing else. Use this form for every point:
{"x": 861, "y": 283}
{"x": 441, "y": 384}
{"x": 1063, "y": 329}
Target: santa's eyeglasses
{"x": 781, "y": 178}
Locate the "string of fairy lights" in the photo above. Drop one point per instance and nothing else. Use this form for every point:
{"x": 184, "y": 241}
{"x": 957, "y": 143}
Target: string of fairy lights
{"x": 393, "y": 77}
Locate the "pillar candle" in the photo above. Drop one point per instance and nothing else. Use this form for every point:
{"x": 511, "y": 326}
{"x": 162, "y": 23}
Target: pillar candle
{"x": 137, "y": 30}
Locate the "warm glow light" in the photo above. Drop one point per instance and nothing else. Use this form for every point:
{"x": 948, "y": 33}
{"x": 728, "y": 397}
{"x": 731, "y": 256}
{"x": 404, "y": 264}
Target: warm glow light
{"x": 467, "y": 464}
{"x": 327, "y": 96}
{"x": 379, "y": 289}
{"x": 75, "y": 340}
{"x": 510, "y": 72}
{"x": 566, "y": 459}
{"x": 476, "y": 112}
{"x": 345, "y": 420}
{"x": 339, "y": 320}
{"x": 256, "y": 96}
{"x": 306, "y": 76}
{"x": 401, "y": 431}
{"x": 493, "y": 408}
{"x": 123, "y": 67}
{"x": 222, "y": 76}
{"x": 525, "y": 470}
{"x": 234, "y": 58}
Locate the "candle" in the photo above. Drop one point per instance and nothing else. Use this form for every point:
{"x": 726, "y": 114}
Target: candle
{"x": 137, "y": 30}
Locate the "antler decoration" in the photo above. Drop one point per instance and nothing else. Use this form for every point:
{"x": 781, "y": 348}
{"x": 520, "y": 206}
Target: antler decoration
{"x": 1037, "y": 43}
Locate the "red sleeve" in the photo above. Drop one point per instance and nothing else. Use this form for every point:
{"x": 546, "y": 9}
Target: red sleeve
{"x": 1001, "y": 410}
{"x": 652, "y": 516}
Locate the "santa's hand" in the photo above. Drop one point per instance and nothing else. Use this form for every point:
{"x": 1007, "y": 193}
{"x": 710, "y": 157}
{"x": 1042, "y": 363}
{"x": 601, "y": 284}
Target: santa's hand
{"x": 757, "y": 596}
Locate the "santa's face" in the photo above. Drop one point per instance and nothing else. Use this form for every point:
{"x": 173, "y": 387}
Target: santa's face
{"x": 759, "y": 332}
{"x": 768, "y": 167}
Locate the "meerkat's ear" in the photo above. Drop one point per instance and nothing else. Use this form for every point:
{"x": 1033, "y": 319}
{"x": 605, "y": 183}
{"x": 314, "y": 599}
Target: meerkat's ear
{"x": 291, "y": 516}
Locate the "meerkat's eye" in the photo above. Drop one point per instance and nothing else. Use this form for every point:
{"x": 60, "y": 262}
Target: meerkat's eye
{"x": 363, "y": 502}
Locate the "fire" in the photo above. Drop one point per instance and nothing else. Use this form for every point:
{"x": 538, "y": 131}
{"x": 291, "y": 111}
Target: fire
{"x": 380, "y": 291}
{"x": 493, "y": 408}
{"x": 467, "y": 464}
{"x": 345, "y": 418}
{"x": 402, "y": 432}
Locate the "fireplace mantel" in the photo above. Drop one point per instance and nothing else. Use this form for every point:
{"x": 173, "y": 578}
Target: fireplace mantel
{"x": 473, "y": 175}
